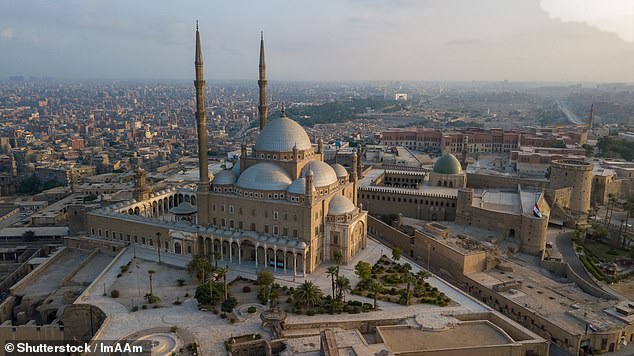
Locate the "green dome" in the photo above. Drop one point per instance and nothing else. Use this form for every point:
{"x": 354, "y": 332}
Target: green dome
{"x": 447, "y": 164}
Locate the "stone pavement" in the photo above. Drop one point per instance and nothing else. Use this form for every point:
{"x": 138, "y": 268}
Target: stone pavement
{"x": 211, "y": 331}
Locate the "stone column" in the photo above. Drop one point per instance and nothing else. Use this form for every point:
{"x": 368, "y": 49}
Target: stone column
{"x": 294, "y": 263}
{"x": 266, "y": 258}
{"x": 239, "y": 255}
{"x": 284, "y": 259}
{"x": 256, "y": 255}
{"x": 275, "y": 259}
{"x": 230, "y": 246}
{"x": 304, "y": 264}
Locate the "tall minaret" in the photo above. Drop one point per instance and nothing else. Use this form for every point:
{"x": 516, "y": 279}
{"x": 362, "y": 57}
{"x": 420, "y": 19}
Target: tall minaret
{"x": 591, "y": 118}
{"x": 201, "y": 117}
{"x": 262, "y": 108}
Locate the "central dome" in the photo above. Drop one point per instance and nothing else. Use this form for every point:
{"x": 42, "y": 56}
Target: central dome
{"x": 264, "y": 176}
{"x": 281, "y": 135}
{"x": 447, "y": 164}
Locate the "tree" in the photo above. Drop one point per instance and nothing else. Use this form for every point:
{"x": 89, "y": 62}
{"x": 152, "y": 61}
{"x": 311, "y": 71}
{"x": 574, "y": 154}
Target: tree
{"x": 158, "y": 246}
{"x": 363, "y": 270}
{"x": 151, "y": 274}
{"x": 422, "y": 275}
{"x": 205, "y": 296}
{"x": 223, "y": 272}
{"x": 577, "y": 235}
{"x": 199, "y": 267}
{"x": 375, "y": 288}
{"x": 396, "y": 254}
{"x": 333, "y": 273}
{"x": 409, "y": 278}
{"x": 343, "y": 287}
{"x": 599, "y": 232}
{"x": 265, "y": 279}
{"x": 307, "y": 294}
{"x": 338, "y": 257}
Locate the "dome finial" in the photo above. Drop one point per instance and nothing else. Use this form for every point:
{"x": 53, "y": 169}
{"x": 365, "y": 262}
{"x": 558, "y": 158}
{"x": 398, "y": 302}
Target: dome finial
{"x": 196, "y": 25}
{"x": 283, "y": 111}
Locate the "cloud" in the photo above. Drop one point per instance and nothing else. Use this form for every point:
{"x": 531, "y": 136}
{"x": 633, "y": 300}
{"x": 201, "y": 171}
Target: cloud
{"x": 7, "y": 33}
{"x": 615, "y": 16}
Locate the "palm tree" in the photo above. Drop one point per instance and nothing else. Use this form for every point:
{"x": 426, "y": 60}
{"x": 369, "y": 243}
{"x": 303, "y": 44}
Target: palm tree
{"x": 223, "y": 272}
{"x": 333, "y": 272}
{"x": 409, "y": 278}
{"x": 422, "y": 274}
{"x": 307, "y": 294}
{"x": 610, "y": 209}
{"x": 151, "y": 274}
{"x": 396, "y": 254}
{"x": 338, "y": 257}
{"x": 199, "y": 267}
{"x": 343, "y": 287}
{"x": 375, "y": 288}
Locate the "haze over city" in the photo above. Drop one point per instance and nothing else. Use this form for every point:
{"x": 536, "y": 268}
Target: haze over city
{"x": 461, "y": 40}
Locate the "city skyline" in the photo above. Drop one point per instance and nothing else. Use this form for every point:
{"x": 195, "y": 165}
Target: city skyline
{"x": 546, "y": 40}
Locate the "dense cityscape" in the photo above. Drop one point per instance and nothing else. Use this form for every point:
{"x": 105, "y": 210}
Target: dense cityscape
{"x": 288, "y": 217}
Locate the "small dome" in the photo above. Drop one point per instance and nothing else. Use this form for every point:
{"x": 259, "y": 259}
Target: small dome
{"x": 224, "y": 177}
{"x": 447, "y": 164}
{"x": 298, "y": 186}
{"x": 264, "y": 176}
{"x": 340, "y": 170}
{"x": 340, "y": 205}
{"x": 324, "y": 174}
{"x": 281, "y": 134}
{"x": 183, "y": 208}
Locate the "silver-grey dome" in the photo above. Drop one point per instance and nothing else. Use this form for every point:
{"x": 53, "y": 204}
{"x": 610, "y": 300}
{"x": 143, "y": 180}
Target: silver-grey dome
{"x": 340, "y": 170}
{"x": 183, "y": 208}
{"x": 324, "y": 174}
{"x": 298, "y": 186}
{"x": 281, "y": 135}
{"x": 340, "y": 205}
{"x": 224, "y": 177}
{"x": 264, "y": 176}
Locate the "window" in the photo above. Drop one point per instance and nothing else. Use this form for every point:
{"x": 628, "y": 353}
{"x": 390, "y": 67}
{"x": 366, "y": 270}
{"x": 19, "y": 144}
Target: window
{"x": 230, "y": 209}
{"x": 223, "y": 222}
{"x": 276, "y": 215}
{"x": 294, "y": 233}
{"x": 285, "y": 231}
{"x": 240, "y": 225}
{"x": 99, "y": 232}
{"x": 276, "y": 230}
{"x": 231, "y": 224}
{"x": 266, "y": 229}
{"x": 252, "y": 226}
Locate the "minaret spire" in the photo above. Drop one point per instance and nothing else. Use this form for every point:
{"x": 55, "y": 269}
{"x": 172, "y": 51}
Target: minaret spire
{"x": 262, "y": 83}
{"x": 201, "y": 118}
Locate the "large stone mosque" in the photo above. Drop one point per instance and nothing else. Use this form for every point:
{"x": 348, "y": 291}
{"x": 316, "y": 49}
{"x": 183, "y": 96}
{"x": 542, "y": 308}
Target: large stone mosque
{"x": 280, "y": 207}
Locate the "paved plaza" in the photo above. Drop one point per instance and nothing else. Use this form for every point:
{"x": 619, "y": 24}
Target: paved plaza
{"x": 209, "y": 329}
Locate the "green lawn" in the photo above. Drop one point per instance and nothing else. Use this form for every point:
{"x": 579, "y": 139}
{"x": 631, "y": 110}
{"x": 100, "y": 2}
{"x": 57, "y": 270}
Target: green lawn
{"x": 604, "y": 252}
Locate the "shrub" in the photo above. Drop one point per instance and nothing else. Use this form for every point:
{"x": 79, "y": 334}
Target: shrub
{"x": 223, "y": 315}
{"x": 310, "y": 312}
{"x": 151, "y": 298}
{"x": 135, "y": 308}
{"x": 173, "y": 329}
{"x": 119, "y": 275}
{"x": 186, "y": 295}
{"x": 246, "y": 289}
{"x": 229, "y": 304}
{"x": 124, "y": 268}
{"x": 180, "y": 282}
{"x": 114, "y": 293}
{"x": 251, "y": 309}
{"x": 177, "y": 302}
{"x": 144, "y": 306}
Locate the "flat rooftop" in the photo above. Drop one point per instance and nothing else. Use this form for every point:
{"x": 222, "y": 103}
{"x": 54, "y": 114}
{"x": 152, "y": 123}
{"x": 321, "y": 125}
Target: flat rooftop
{"x": 464, "y": 334}
{"x": 564, "y": 304}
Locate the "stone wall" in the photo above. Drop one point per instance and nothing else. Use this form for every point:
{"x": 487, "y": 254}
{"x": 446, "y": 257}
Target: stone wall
{"x": 478, "y": 180}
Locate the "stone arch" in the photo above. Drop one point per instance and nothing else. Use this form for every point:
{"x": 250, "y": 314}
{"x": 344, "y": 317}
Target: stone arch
{"x": 270, "y": 255}
{"x": 217, "y": 243}
{"x": 137, "y": 211}
{"x": 200, "y": 245}
{"x": 300, "y": 262}
{"x": 279, "y": 257}
{"x": 194, "y": 200}
{"x": 154, "y": 208}
{"x": 288, "y": 260}
{"x": 208, "y": 246}
{"x": 178, "y": 248}
{"x": 187, "y": 198}
{"x": 130, "y": 211}
{"x": 234, "y": 250}
{"x": 260, "y": 261}
{"x": 225, "y": 249}
{"x": 171, "y": 202}
{"x": 247, "y": 251}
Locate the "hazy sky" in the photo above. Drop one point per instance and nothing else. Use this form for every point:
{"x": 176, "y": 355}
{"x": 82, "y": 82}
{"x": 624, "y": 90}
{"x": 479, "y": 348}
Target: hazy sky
{"x": 525, "y": 40}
